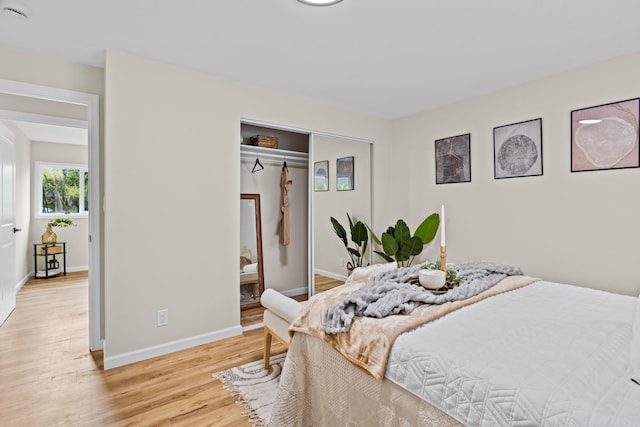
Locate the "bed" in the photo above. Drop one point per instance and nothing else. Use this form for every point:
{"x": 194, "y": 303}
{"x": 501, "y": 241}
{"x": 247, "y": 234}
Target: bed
{"x": 250, "y": 278}
{"x": 541, "y": 354}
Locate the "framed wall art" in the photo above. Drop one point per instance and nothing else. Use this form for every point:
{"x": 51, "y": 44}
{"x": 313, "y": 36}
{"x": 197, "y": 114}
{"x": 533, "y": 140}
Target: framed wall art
{"x": 605, "y": 136}
{"x": 453, "y": 159}
{"x": 321, "y": 176}
{"x": 344, "y": 174}
{"x": 517, "y": 149}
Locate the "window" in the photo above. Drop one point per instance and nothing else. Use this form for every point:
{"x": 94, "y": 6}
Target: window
{"x": 61, "y": 189}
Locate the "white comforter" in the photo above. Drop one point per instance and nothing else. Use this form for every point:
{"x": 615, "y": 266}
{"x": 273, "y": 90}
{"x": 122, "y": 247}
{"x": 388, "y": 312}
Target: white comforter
{"x": 556, "y": 355}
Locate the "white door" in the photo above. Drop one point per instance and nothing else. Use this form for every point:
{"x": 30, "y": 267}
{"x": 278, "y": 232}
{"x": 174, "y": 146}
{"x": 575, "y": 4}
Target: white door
{"x": 7, "y": 223}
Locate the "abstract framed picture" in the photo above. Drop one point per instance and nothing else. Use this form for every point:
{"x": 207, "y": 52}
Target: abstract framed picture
{"x": 517, "y": 149}
{"x": 605, "y": 136}
{"x": 344, "y": 174}
{"x": 321, "y": 176}
{"x": 453, "y": 159}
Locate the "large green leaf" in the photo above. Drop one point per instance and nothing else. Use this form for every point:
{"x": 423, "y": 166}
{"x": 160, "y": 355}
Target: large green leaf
{"x": 375, "y": 238}
{"x": 385, "y": 256}
{"x": 402, "y": 231}
{"x": 354, "y": 252}
{"x": 411, "y": 247}
{"x": 340, "y": 231}
{"x": 428, "y": 229}
{"x": 350, "y": 221}
{"x": 389, "y": 244}
{"x": 359, "y": 233}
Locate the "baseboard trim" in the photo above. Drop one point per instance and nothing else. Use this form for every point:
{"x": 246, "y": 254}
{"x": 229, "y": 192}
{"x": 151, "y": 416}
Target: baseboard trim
{"x": 21, "y": 283}
{"x": 252, "y": 327}
{"x": 295, "y": 292}
{"x": 117, "y": 360}
{"x": 330, "y": 275}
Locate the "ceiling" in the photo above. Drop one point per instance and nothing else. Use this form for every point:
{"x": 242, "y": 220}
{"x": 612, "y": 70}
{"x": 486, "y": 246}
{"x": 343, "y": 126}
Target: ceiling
{"x": 42, "y": 132}
{"x": 389, "y": 58}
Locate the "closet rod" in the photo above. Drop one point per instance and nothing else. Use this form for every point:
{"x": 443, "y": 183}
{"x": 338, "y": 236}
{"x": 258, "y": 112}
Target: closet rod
{"x": 278, "y": 161}
{"x": 251, "y": 152}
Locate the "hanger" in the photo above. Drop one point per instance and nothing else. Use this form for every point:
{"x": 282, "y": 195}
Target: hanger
{"x": 257, "y": 166}
{"x": 284, "y": 165}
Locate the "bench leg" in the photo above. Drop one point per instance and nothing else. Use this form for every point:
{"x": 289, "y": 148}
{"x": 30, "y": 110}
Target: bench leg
{"x": 267, "y": 347}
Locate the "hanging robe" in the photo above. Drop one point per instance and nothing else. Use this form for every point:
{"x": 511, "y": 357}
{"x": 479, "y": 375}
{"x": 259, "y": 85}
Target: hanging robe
{"x": 285, "y": 186}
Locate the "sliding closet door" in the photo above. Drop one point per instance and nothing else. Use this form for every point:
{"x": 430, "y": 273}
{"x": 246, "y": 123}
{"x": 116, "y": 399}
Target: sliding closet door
{"x": 340, "y": 184}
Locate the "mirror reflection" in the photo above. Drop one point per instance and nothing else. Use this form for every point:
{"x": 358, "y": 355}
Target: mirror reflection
{"x": 251, "y": 270}
{"x": 349, "y": 191}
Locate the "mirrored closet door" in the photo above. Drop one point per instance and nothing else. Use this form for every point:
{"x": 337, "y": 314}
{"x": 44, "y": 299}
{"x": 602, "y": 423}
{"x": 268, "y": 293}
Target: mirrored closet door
{"x": 341, "y": 184}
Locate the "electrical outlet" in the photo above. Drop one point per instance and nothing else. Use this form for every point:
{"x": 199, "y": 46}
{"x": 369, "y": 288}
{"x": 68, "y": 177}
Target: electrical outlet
{"x": 163, "y": 317}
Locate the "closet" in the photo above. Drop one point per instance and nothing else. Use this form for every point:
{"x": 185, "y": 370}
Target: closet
{"x": 321, "y": 188}
{"x": 284, "y": 267}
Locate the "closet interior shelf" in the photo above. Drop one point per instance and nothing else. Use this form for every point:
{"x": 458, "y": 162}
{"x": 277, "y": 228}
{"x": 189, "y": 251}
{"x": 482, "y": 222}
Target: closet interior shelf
{"x": 250, "y": 152}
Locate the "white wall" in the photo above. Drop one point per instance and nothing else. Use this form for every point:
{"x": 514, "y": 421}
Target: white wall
{"x": 42, "y": 106}
{"x": 44, "y": 70}
{"x": 579, "y": 228}
{"x": 173, "y": 134}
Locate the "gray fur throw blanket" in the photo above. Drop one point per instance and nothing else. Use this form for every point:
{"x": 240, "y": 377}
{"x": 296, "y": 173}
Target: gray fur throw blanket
{"x": 390, "y": 293}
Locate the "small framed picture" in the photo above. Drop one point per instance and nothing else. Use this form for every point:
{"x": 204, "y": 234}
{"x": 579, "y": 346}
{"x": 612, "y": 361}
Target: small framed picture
{"x": 605, "y": 136}
{"x": 344, "y": 174}
{"x": 321, "y": 176}
{"x": 453, "y": 159}
{"x": 517, "y": 149}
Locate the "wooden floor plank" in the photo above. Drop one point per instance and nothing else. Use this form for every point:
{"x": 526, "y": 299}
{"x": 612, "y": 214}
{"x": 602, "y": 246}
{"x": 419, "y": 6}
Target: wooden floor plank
{"x": 324, "y": 283}
{"x": 49, "y": 377}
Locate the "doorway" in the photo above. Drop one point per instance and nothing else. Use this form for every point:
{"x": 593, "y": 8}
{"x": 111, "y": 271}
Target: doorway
{"x": 91, "y": 103}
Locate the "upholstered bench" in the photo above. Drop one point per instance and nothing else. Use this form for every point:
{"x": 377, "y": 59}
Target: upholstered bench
{"x": 280, "y": 310}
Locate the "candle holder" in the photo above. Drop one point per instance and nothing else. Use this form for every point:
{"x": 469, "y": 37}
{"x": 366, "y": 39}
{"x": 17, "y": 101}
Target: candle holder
{"x": 443, "y": 258}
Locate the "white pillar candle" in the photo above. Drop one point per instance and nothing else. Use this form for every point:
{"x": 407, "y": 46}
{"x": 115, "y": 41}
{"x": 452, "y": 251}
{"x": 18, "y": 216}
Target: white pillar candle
{"x": 442, "y": 231}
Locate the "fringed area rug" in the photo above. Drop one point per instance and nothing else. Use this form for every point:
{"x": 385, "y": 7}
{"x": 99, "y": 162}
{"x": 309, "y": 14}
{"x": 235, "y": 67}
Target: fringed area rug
{"x": 254, "y": 387}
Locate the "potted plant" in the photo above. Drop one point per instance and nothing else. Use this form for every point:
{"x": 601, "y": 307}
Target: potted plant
{"x": 453, "y": 278}
{"x": 49, "y": 236}
{"x": 359, "y": 238}
{"x": 399, "y": 245}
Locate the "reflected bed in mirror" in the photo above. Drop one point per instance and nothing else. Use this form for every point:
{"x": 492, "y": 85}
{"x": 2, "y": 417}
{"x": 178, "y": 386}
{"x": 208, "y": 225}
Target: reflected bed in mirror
{"x": 251, "y": 265}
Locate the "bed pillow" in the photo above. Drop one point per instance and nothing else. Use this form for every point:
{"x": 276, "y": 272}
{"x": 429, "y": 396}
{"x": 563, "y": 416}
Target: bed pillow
{"x": 635, "y": 344}
{"x": 251, "y": 268}
{"x": 363, "y": 273}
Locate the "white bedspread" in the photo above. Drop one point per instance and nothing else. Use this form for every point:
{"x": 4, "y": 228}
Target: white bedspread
{"x": 547, "y": 354}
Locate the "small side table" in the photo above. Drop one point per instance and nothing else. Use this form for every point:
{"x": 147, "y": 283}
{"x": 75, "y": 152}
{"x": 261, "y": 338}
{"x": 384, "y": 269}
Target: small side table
{"x": 50, "y": 252}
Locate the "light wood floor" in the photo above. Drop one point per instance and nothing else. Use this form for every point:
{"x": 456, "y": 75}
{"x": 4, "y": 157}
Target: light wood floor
{"x": 49, "y": 378}
{"x": 324, "y": 283}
